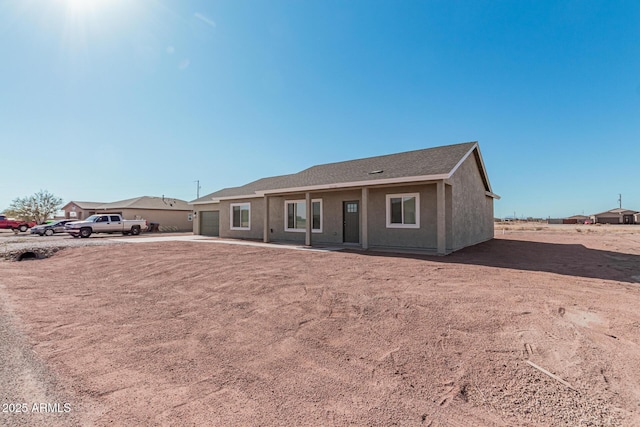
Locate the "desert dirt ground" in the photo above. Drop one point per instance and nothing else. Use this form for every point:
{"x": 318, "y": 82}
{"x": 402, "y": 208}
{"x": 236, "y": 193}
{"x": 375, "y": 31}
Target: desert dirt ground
{"x": 192, "y": 333}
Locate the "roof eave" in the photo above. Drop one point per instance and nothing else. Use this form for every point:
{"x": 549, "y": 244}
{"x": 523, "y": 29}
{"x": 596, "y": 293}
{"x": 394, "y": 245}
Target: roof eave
{"x": 203, "y": 202}
{"x": 355, "y": 184}
{"x": 245, "y": 196}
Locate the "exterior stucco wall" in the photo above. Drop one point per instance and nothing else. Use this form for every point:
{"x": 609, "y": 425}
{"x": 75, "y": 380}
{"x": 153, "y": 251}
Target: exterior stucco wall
{"x": 168, "y": 220}
{"x": 472, "y": 209}
{"x": 379, "y": 235}
{"x": 197, "y": 209}
{"x": 608, "y": 219}
{"x": 424, "y": 237}
{"x": 256, "y": 219}
{"x": 448, "y": 212}
{"x": 332, "y": 225}
{"x": 80, "y": 213}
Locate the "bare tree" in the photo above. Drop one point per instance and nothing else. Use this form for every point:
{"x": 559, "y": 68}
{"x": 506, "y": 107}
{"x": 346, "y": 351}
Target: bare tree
{"x": 38, "y": 207}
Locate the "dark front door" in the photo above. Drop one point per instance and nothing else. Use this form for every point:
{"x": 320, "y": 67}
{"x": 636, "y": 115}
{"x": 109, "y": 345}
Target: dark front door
{"x": 351, "y": 222}
{"x": 627, "y": 219}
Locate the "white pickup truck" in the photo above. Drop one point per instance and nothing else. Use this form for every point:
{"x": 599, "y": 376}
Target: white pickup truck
{"x": 105, "y": 223}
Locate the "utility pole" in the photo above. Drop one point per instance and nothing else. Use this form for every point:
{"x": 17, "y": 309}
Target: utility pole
{"x": 197, "y": 188}
{"x": 620, "y": 200}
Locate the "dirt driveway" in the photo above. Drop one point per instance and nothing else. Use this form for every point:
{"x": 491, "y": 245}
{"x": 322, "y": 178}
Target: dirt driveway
{"x": 533, "y": 328}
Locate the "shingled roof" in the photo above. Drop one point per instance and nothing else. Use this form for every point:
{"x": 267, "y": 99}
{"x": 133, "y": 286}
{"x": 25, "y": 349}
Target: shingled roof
{"x": 616, "y": 211}
{"x": 143, "y": 202}
{"x": 148, "y": 202}
{"x": 421, "y": 165}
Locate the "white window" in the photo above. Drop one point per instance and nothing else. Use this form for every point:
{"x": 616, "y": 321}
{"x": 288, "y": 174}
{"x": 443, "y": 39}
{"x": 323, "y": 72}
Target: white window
{"x": 295, "y": 218}
{"x": 403, "y": 210}
{"x": 241, "y": 216}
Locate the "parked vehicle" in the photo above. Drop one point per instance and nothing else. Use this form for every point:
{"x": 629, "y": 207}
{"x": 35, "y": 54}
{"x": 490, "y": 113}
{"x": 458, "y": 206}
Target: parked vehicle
{"x": 15, "y": 224}
{"x": 50, "y": 227}
{"x": 105, "y": 223}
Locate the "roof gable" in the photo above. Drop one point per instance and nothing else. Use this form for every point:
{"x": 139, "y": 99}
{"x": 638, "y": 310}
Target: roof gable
{"x": 83, "y": 205}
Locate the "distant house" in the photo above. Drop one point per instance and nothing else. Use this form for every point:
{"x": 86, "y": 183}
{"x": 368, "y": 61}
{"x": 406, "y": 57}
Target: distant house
{"x": 170, "y": 214}
{"x": 576, "y": 219}
{"x": 436, "y": 200}
{"x": 80, "y": 210}
{"x": 616, "y": 216}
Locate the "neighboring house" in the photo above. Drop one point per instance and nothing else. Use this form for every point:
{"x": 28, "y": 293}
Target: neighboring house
{"x": 616, "y": 216}
{"x": 576, "y": 219}
{"x": 171, "y": 214}
{"x": 80, "y": 210}
{"x": 437, "y": 200}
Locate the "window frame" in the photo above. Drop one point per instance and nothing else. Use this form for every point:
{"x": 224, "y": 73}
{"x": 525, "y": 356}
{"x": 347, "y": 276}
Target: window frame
{"x": 402, "y": 196}
{"x": 240, "y": 204}
{"x": 303, "y": 230}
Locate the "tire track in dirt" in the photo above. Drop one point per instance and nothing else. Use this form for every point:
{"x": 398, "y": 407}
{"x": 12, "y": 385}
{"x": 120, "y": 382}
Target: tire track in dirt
{"x": 27, "y": 384}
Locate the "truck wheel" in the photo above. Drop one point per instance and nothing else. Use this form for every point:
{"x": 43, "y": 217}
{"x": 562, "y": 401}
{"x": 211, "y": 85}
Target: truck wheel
{"x": 48, "y": 232}
{"x": 23, "y": 228}
{"x": 135, "y": 230}
{"x": 85, "y": 232}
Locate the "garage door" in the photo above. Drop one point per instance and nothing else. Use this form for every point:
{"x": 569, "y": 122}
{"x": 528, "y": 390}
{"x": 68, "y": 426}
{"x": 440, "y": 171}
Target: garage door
{"x": 210, "y": 223}
{"x": 608, "y": 220}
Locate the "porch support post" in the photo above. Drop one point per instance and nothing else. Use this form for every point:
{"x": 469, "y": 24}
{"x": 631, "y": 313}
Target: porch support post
{"x": 441, "y": 218}
{"x": 309, "y": 222}
{"x": 365, "y": 218}
{"x": 265, "y": 231}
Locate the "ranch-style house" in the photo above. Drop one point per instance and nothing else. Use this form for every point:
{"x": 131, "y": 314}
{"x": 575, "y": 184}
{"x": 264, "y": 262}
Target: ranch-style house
{"x": 436, "y": 200}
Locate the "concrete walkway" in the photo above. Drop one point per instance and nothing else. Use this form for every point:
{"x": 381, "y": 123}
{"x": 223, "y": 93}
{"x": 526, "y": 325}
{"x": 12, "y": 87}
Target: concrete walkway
{"x": 205, "y": 239}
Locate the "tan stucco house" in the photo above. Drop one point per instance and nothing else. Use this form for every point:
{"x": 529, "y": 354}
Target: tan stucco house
{"x": 80, "y": 210}
{"x": 170, "y": 214}
{"x": 435, "y": 200}
{"x": 616, "y": 216}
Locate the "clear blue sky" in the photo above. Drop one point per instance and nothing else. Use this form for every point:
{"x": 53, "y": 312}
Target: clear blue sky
{"x": 103, "y": 100}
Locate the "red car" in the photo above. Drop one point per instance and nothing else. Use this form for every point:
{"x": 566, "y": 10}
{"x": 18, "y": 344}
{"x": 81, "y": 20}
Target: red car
{"x": 15, "y": 224}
